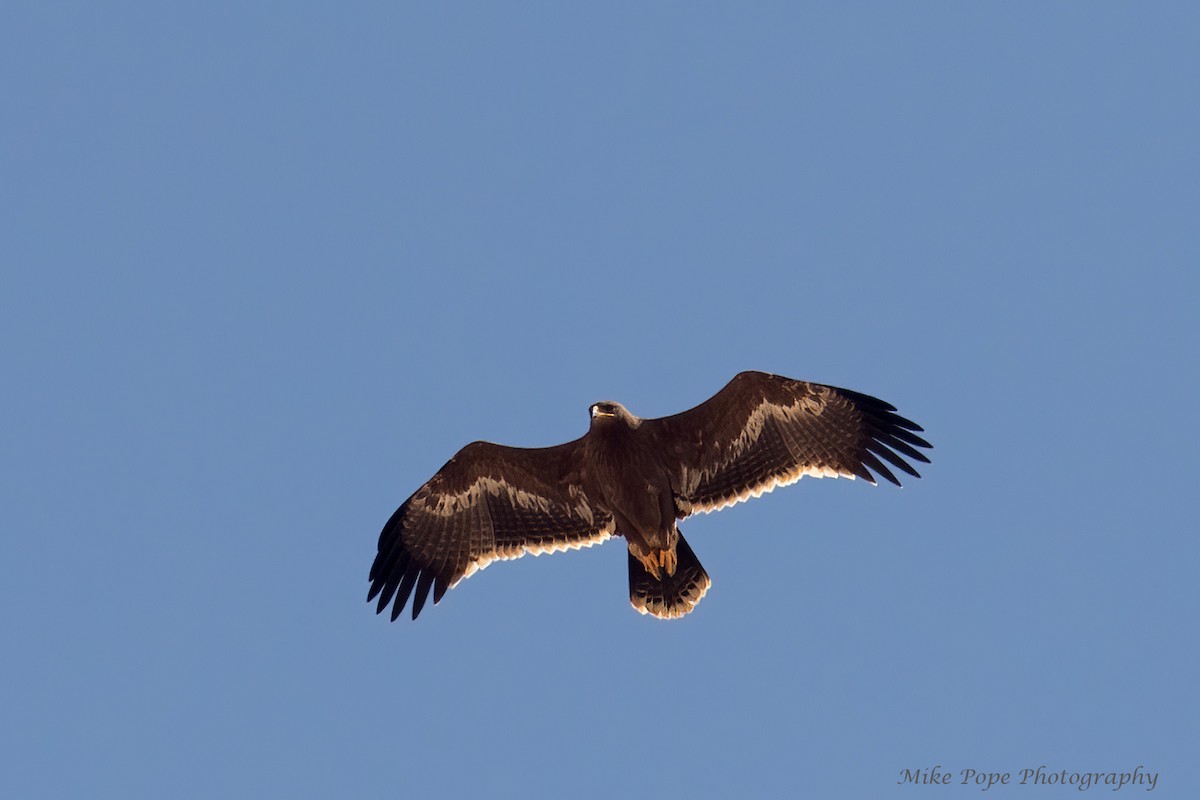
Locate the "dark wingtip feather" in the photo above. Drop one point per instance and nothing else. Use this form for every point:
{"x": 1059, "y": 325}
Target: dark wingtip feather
{"x": 402, "y": 593}
{"x": 910, "y": 437}
{"x": 897, "y": 421}
{"x": 899, "y": 463}
{"x": 867, "y": 401}
{"x": 422, "y": 592}
{"x": 389, "y": 588}
{"x": 862, "y": 472}
{"x": 874, "y": 463}
{"x": 903, "y": 448}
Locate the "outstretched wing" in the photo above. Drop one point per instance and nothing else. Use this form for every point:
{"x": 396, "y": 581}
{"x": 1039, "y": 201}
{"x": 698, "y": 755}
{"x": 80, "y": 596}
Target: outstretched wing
{"x": 763, "y": 431}
{"x": 489, "y": 502}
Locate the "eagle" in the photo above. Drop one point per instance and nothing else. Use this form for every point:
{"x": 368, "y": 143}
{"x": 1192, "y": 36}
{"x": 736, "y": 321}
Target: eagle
{"x": 634, "y": 478}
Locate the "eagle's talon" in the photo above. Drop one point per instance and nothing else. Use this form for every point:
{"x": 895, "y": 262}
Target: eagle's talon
{"x": 652, "y": 568}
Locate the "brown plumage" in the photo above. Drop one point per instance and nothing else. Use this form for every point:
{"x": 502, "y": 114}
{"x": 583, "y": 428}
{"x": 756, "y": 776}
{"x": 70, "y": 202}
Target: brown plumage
{"x": 634, "y": 478}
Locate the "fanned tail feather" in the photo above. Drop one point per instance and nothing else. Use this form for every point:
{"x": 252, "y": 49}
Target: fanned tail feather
{"x": 668, "y": 596}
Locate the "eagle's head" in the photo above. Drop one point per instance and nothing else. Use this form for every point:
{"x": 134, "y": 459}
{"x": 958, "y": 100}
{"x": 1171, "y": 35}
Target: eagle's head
{"x": 612, "y": 411}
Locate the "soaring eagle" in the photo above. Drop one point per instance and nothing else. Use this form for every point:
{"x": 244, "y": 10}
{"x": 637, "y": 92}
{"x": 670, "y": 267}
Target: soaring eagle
{"x": 634, "y": 478}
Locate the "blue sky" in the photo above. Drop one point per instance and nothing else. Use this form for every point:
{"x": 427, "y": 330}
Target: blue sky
{"x": 267, "y": 266}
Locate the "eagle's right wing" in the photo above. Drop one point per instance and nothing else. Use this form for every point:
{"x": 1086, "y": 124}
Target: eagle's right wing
{"x": 763, "y": 431}
{"x": 489, "y": 502}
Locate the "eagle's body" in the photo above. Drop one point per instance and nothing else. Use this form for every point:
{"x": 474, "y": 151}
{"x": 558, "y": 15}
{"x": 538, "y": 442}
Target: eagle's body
{"x": 634, "y": 478}
{"x": 626, "y": 477}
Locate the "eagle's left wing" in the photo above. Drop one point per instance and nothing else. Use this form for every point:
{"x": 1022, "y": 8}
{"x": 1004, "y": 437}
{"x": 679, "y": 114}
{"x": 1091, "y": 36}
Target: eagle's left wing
{"x": 488, "y": 503}
{"x": 763, "y": 431}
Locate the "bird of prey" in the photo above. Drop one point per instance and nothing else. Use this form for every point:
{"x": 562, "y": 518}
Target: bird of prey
{"x": 634, "y": 478}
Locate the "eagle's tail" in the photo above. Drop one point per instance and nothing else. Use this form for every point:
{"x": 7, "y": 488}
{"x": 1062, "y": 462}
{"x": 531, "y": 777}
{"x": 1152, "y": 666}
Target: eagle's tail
{"x": 668, "y": 596}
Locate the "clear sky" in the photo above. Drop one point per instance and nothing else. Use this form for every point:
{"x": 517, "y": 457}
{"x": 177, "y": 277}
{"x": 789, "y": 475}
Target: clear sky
{"x": 266, "y": 267}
